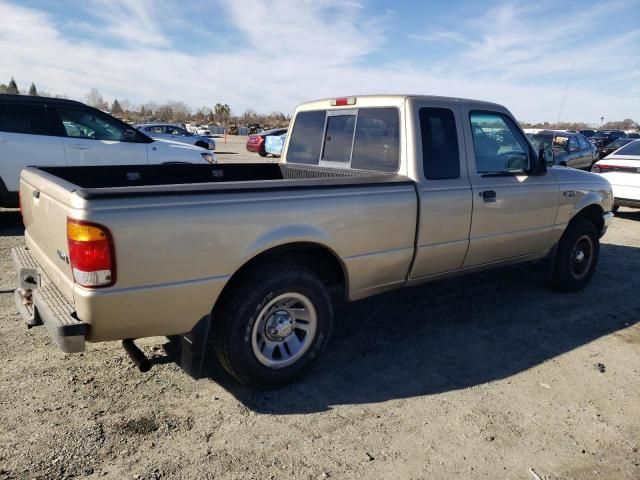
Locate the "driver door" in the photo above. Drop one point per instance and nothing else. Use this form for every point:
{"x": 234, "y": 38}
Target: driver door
{"x": 513, "y": 212}
{"x": 92, "y": 138}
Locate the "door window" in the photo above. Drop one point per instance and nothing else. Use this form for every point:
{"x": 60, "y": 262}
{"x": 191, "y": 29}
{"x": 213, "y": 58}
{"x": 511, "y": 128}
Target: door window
{"x": 573, "y": 145}
{"x": 306, "y": 138}
{"x": 90, "y": 125}
{"x": 29, "y": 119}
{"x": 498, "y": 144}
{"x": 584, "y": 144}
{"x": 440, "y": 156}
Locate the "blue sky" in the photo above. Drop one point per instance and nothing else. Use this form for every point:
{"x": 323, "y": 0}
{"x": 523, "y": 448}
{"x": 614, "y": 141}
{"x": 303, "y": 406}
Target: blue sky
{"x": 272, "y": 55}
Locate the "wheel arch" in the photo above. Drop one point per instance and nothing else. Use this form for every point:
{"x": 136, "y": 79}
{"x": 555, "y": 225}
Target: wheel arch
{"x": 316, "y": 257}
{"x": 593, "y": 213}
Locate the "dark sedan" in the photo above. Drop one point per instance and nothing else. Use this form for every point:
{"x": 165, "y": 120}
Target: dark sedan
{"x": 256, "y": 141}
{"x": 569, "y": 149}
{"x": 613, "y": 146}
{"x": 602, "y": 138}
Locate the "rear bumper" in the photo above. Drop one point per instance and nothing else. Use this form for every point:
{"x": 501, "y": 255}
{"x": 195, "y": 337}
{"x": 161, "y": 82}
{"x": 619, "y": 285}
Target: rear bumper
{"x": 39, "y": 302}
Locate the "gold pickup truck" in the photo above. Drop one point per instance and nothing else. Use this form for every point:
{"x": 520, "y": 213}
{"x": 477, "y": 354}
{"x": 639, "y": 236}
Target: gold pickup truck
{"x": 242, "y": 261}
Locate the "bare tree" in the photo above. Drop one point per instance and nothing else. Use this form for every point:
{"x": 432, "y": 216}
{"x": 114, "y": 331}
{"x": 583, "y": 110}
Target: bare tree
{"x": 94, "y": 98}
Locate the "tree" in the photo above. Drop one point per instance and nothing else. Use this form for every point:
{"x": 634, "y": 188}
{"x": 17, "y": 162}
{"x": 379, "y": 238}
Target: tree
{"x": 94, "y": 98}
{"x": 3, "y": 88}
{"x": 13, "y": 87}
{"x": 116, "y": 109}
{"x": 221, "y": 112}
{"x": 33, "y": 91}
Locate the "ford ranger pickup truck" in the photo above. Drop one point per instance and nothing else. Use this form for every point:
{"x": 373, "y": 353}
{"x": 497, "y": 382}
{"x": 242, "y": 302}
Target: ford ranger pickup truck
{"x": 242, "y": 261}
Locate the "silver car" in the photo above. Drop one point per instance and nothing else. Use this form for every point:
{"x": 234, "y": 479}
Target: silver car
{"x": 176, "y": 133}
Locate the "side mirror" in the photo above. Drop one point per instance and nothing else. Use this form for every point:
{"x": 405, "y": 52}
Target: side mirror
{"x": 130, "y": 135}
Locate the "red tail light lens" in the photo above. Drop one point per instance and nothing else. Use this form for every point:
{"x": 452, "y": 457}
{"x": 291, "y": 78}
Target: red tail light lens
{"x": 91, "y": 254}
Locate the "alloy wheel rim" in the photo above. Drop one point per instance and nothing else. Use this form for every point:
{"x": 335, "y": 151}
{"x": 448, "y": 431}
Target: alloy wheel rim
{"x": 284, "y": 330}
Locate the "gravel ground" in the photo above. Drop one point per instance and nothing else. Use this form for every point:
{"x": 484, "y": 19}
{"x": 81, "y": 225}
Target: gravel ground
{"x": 235, "y": 151}
{"x": 486, "y": 376}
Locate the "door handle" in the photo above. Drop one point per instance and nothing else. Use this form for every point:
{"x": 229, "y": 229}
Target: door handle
{"x": 79, "y": 147}
{"x": 488, "y": 195}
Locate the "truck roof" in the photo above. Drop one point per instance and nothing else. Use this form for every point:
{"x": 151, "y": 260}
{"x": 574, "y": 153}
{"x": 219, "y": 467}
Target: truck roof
{"x": 391, "y": 99}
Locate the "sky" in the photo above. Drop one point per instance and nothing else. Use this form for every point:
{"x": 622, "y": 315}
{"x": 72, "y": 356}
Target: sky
{"x": 271, "y": 55}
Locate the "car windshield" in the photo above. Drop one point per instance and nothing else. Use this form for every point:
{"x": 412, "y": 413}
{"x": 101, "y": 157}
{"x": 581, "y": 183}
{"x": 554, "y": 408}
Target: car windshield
{"x": 632, "y": 148}
{"x": 618, "y": 143}
{"x": 545, "y": 141}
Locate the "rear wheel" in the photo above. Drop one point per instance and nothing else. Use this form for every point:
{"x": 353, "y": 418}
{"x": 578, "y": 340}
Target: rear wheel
{"x": 576, "y": 257}
{"x": 263, "y": 154}
{"x": 272, "y": 325}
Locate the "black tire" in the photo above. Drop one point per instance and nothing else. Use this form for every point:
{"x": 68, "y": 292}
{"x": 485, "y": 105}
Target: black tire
{"x": 263, "y": 154}
{"x": 580, "y": 240}
{"x": 615, "y": 208}
{"x": 234, "y": 320}
{"x": 202, "y": 144}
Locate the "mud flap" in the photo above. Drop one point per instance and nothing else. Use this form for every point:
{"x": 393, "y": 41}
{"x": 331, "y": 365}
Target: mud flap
{"x": 193, "y": 348}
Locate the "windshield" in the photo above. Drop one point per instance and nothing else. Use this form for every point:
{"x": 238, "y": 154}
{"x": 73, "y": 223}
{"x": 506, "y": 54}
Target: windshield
{"x": 544, "y": 141}
{"x": 632, "y": 148}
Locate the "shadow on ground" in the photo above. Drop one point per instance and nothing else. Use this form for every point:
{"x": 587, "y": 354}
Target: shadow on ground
{"x": 455, "y": 334}
{"x": 10, "y": 223}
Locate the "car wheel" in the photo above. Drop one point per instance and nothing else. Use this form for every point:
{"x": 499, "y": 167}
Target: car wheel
{"x": 615, "y": 208}
{"x": 577, "y": 256}
{"x": 202, "y": 144}
{"x": 272, "y": 326}
{"x": 263, "y": 154}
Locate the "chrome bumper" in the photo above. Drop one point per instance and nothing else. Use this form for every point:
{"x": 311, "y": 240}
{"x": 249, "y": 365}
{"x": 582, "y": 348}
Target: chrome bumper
{"x": 606, "y": 221}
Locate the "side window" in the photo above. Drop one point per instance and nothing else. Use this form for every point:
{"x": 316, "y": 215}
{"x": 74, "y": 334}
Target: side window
{"x": 87, "y": 124}
{"x": 440, "y": 156}
{"x": 21, "y": 118}
{"x": 584, "y": 145}
{"x": 498, "y": 144}
{"x": 306, "y": 138}
{"x": 377, "y": 141}
{"x": 573, "y": 144}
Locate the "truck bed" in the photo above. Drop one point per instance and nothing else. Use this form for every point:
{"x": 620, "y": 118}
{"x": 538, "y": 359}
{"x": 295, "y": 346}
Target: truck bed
{"x": 145, "y": 180}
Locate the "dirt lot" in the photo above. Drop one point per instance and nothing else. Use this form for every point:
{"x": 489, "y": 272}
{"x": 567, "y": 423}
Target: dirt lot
{"x": 486, "y": 376}
{"x": 235, "y": 151}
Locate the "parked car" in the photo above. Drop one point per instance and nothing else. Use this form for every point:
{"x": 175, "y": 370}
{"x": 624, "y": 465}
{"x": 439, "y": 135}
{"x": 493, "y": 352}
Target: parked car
{"x": 622, "y": 170}
{"x": 179, "y": 134}
{"x": 569, "y": 149}
{"x": 587, "y": 133}
{"x": 613, "y": 146}
{"x": 256, "y": 141}
{"x": 52, "y": 131}
{"x": 204, "y": 131}
{"x": 373, "y": 193}
{"x": 635, "y": 135}
{"x": 602, "y": 138}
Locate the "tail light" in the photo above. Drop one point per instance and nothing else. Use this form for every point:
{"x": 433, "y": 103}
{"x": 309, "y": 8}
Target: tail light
{"x": 595, "y": 169}
{"x": 91, "y": 254}
{"x": 340, "y": 102}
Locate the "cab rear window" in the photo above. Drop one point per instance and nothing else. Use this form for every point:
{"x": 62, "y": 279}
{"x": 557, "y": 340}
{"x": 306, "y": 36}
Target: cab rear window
{"x": 363, "y": 139}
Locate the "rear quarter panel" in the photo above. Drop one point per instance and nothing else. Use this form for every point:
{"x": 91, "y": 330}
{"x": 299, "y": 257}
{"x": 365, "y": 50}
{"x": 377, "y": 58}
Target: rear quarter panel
{"x": 175, "y": 254}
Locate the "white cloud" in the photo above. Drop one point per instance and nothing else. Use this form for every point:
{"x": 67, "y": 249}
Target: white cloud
{"x": 299, "y": 50}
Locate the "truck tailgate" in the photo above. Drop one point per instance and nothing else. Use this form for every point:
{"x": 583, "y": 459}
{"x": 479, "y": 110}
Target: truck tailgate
{"x": 45, "y": 203}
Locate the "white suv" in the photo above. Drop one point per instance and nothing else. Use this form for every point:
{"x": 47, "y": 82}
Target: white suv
{"x": 42, "y": 131}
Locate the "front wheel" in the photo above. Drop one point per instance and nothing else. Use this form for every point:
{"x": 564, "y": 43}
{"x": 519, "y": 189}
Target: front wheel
{"x": 576, "y": 257}
{"x": 272, "y": 325}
